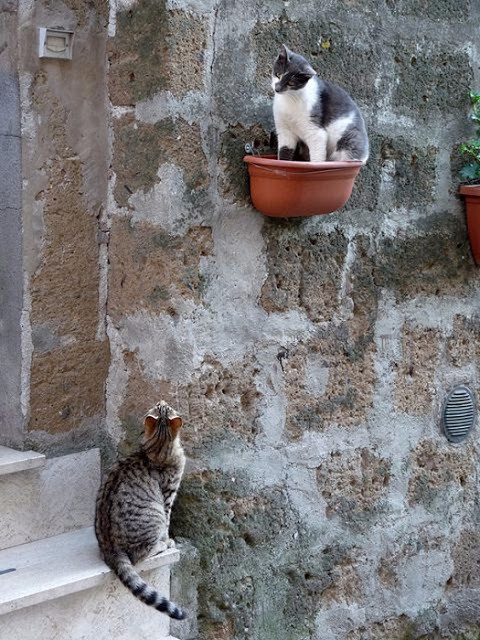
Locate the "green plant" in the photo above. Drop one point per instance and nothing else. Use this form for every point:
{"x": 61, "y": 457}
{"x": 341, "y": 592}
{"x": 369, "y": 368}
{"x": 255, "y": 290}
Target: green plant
{"x": 471, "y": 149}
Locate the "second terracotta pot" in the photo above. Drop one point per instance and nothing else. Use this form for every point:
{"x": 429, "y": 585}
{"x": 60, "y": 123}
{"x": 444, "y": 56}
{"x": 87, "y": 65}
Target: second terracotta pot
{"x": 472, "y": 203}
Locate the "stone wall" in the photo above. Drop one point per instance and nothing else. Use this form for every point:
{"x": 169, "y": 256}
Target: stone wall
{"x": 65, "y": 132}
{"x": 310, "y": 358}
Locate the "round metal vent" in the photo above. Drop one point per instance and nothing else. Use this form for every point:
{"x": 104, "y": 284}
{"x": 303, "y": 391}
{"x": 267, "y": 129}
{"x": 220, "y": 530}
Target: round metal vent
{"x": 458, "y": 414}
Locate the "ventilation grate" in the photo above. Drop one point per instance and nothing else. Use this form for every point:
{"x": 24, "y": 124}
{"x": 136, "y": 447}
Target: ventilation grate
{"x": 458, "y": 414}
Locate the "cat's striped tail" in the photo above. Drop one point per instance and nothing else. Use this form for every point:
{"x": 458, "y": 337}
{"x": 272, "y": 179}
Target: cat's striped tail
{"x": 127, "y": 574}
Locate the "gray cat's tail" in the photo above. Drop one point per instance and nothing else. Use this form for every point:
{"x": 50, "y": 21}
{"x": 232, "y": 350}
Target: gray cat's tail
{"x": 127, "y": 574}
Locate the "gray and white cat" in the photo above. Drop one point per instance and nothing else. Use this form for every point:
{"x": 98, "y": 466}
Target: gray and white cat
{"x": 135, "y": 501}
{"x": 312, "y": 112}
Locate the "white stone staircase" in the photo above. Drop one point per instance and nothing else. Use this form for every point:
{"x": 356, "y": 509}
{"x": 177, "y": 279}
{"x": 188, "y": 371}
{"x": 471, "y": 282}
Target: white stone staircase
{"x": 53, "y": 583}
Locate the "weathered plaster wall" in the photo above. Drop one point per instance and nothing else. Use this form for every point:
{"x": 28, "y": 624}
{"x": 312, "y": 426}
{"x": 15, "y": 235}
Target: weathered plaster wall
{"x": 309, "y": 357}
{"x": 65, "y": 170}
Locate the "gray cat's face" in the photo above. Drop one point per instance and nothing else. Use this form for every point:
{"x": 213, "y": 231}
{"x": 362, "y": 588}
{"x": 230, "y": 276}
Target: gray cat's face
{"x": 291, "y": 71}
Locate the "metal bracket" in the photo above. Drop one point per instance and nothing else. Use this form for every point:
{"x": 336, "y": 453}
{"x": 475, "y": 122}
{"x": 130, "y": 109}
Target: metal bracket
{"x": 250, "y": 149}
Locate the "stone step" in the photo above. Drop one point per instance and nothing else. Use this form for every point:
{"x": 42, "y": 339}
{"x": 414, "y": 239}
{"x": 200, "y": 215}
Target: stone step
{"x": 60, "y": 588}
{"x": 57, "y": 566}
{"x": 47, "y": 501}
{"x": 12, "y": 461}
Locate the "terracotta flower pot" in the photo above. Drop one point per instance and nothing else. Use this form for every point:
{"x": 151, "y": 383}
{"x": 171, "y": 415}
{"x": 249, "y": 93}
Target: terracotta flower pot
{"x": 282, "y": 188}
{"x": 472, "y": 201}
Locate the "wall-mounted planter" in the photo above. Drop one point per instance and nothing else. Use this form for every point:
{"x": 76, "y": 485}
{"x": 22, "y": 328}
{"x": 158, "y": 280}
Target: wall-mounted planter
{"x": 472, "y": 203}
{"x": 282, "y": 188}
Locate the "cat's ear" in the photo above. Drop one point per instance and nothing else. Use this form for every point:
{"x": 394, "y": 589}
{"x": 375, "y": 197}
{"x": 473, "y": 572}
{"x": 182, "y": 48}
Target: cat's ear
{"x": 308, "y": 71}
{"x": 175, "y": 423}
{"x": 150, "y": 424}
{"x": 284, "y": 53}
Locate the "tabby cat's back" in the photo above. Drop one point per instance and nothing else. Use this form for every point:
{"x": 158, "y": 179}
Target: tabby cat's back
{"x": 135, "y": 501}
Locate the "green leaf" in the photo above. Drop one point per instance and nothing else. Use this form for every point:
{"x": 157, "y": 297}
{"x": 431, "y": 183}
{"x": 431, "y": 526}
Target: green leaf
{"x": 475, "y": 97}
{"x": 471, "y": 148}
{"x": 470, "y": 172}
{"x": 473, "y": 145}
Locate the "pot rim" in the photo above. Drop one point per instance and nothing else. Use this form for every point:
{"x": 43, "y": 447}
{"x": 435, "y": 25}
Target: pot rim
{"x": 271, "y": 161}
{"x": 469, "y": 190}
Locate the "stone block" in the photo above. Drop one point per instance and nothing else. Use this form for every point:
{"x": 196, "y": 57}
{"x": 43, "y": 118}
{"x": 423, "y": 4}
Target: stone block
{"x": 155, "y": 49}
{"x": 316, "y": 580}
{"x": 223, "y": 402}
{"x": 436, "y": 261}
{"x": 233, "y": 526}
{"x": 347, "y": 396}
{"x": 304, "y": 270}
{"x": 69, "y": 366}
{"x": 65, "y": 165}
{"x": 67, "y": 386}
{"x": 461, "y": 612}
{"x": 137, "y": 53}
{"x": 466, "y": 559}
{"x": 354, "y": 486}
{"x": 153, "y": 270}
{"x": 140, "y": 149}
{"x": 411, "y": 169}
{"x": 436, "y": 467}
{"x": 186, "y": 41}
{"x": 424, "y": 80}
{"x": 94, "y": 11}
{"x": 462, "y": 346}
{"x": 235, "y": 69}
{"x": 64, "y": 291}
{"x": 396, "y": 628}
{"x": 346, "y": 585}
{"x": 415, "y": 380}
{"x": 445, "y": 10}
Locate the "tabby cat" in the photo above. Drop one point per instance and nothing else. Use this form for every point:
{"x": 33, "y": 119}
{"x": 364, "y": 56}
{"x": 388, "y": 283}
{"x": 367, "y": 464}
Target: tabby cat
{"x": 314, "y": 115}
{"x": 135, "y": 501}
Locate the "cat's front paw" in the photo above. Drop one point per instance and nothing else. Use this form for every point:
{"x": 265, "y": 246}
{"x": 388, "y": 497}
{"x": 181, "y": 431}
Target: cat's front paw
{"x": 170, "y": 543}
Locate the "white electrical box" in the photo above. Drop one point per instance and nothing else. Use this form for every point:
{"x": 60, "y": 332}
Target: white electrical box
{"x": 55, "y": 43}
